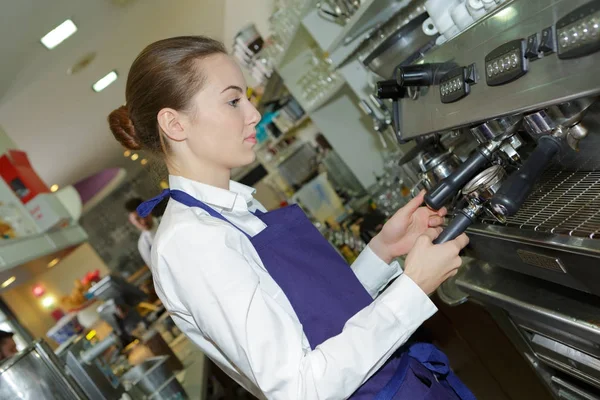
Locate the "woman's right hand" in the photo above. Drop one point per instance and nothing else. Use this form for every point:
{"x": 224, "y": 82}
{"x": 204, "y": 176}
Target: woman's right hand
{"x": 429, "y": 265}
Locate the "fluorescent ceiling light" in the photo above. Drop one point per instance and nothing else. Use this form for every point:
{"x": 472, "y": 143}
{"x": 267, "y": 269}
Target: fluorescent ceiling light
{"x": 59, "y": 34}
{"x": 8, "y": 282}
{"x": 105, "y": 81}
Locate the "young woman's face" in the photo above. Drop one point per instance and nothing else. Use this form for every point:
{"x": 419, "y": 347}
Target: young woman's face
{"x": 223, "y": 127}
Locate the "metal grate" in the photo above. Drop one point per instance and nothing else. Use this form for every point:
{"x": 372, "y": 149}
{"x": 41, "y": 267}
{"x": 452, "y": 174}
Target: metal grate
{"x": 565, "y": 203}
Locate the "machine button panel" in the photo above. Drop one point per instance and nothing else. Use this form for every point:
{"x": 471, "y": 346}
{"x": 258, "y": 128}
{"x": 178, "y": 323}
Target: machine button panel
{"x": 454, "y": 85}
{"x": 548, "y": 43}
{"x": 531, "y": 51}
{"x": 506, "y": 63}
{"x": 578, "y": 33}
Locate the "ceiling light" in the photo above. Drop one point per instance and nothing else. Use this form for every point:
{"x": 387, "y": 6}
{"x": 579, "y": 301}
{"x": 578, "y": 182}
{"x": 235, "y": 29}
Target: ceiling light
{"x": 127, "y": 153}
{"x": 53, "y": 262}
{"x": 144, "y": 161}
{"x": 59, "y": 34}
{"x": 135, "y": 156}
{"x": 53, "y": 188}
{"x": 48, "y": 302}
{"x": 8, "y": 282}
{"x": 105, "y": 81}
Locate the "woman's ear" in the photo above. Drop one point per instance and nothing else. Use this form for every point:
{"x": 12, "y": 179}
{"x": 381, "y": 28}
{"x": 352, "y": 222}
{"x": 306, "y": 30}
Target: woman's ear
{"x": 171, "y": 123}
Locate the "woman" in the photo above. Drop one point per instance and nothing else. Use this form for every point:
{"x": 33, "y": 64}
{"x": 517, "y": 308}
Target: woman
{"x": 263, "y": 294}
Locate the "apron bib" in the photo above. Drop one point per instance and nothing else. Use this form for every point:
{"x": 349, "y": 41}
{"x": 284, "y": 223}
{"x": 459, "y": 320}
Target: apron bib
{"x": 325, "y": 294}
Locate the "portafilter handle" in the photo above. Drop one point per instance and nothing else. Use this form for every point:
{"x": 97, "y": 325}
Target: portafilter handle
{"x": 517, "y": 187}
{"x": 462, "y": 220}
{"x": 441, "y": 193}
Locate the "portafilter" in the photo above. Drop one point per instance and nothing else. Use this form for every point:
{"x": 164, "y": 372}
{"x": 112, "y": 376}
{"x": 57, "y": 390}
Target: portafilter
{"x": 557, "y": 128}
{"x": 493, "y": 135}
{"x": 478, "y": 192}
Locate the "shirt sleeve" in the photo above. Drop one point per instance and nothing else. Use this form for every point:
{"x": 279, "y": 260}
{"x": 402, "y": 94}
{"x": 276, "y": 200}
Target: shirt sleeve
{"x": 145, "y": 249}
{"x": 373, "y": 272}
{"x": 216, "y": 284}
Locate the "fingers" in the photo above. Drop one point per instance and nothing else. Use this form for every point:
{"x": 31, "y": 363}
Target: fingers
{"x": 442, "y": 212}
{"x": 432, "y": 233}
{"x": 462, "y": 241}
{"x": 435, "y": 220}
{"x": 415, "y": 203}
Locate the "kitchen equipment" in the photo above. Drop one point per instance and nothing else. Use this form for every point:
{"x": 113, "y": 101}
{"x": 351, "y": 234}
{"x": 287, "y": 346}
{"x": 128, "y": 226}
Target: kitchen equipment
{"x": 36, "y": 373}
{"x": 405, "y": 45}
{"x": 155, "y": 379}
{"x": 84, "y": 362}
{"x": 522, "y": 83}
{"x": 478, "y": 192}
{"x": 495, "y": 135}
{"x": 555, "y": 127}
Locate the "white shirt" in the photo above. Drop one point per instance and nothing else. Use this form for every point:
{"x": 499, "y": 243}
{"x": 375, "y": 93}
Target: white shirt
{"x": 212, "y": 281}
{"x": 145, "y": 245}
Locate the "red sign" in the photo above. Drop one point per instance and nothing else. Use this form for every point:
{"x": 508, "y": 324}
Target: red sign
{"x": 38, "y": 290}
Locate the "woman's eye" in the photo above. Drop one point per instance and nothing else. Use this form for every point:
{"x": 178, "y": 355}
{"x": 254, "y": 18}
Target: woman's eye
{"x": 234, "y": 103}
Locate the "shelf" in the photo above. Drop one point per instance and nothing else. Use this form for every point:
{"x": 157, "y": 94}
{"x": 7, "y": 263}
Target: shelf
{"x": 371, "y": 14}
{"x": 275, "y": 141}
{"x": 15, "y": 252}
{"x": 281, "y": 57}
{"x": 328, "y": 96}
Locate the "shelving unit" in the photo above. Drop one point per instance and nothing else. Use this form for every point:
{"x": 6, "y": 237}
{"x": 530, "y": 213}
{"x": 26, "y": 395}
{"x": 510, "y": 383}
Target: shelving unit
{"x": 15, "y": 252}
{"x": 336, "y": 112}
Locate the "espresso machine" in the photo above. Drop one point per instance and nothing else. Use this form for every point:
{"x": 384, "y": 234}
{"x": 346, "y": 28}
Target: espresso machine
{"x": 509, "y": 114}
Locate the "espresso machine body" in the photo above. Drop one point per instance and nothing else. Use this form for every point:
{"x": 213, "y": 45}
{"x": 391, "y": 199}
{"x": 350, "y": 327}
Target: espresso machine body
{"x": 521, "y": 88}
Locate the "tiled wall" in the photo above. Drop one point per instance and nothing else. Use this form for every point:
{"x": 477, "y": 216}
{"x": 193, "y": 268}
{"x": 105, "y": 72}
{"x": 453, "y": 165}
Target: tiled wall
{"x": 109, "y": 231}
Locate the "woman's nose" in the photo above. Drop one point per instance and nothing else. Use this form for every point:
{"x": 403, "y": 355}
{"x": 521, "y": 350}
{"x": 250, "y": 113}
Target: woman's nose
{"x": 255, "y": 116}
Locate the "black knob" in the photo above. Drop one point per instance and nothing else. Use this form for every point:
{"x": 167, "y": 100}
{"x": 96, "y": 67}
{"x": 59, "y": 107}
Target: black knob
{"x": 515, "y": 190}
{"x": 455, "y": 228}
{"x": 389, "y": 90}
{"x": 421, "y": 74}
{"x": 441, "y": 193}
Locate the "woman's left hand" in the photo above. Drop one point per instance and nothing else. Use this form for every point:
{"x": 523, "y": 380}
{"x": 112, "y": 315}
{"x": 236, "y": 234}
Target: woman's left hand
{"x": 400, "y": 232}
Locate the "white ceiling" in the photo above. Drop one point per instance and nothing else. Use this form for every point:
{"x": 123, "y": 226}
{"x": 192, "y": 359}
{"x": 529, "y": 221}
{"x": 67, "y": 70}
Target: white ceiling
{"x": 57, "y": 119}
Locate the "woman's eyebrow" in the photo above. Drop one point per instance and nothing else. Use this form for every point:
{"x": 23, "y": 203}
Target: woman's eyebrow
{"x": 233, "y": 87}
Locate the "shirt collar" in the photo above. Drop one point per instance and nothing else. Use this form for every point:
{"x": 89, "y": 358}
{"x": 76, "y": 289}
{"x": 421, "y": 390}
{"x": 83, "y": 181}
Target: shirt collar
{"x": 236, "y": 198}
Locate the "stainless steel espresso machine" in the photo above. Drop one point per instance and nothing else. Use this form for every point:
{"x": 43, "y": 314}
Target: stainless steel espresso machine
{"x": 506, "y": 120}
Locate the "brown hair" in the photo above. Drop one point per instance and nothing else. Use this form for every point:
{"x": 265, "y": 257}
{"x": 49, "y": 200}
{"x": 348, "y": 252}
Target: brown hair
{"x": 165, "y": 74}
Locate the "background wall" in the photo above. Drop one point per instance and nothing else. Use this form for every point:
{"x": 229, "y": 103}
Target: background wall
{"x": 58, "y": 281}
{"x": 58, "y": 120}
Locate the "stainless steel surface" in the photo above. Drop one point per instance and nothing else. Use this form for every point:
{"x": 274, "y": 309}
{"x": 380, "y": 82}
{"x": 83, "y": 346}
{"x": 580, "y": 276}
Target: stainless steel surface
{"x": 564, "y": 115}
{"x": 407, "y": 44}
{"x": 570, "y": 391}
{"x": 561, "y": 327}
{"x": 566, "y": 358}
{"x": 549, "y": 80}
{"x": 485, "y": 184}
{"x": 36, "y": 374}
{"x": 95, "y": 378}
{"x": 155, "y": 379}
{"x": 565, "y": 202}
{"x": 497, "y": 129}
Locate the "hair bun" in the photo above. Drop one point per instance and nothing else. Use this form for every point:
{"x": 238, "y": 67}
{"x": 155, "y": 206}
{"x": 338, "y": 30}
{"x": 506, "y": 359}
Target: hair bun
{"x": 123, "y": 129}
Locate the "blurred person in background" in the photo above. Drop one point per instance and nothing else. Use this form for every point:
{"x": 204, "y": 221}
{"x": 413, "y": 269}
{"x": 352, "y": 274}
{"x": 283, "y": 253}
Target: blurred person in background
{"x": 146, "y": 225}
{"x": 8, "y": 347}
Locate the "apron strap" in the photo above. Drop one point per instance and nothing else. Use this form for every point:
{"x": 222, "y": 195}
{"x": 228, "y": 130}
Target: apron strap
{"x": 435, "y": 361}
{"x": 146, "y": 207}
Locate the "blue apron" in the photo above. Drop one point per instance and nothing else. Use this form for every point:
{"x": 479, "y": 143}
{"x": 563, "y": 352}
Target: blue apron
{"x": 325, "y": 294}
